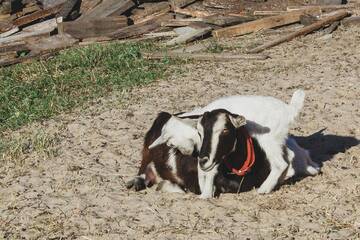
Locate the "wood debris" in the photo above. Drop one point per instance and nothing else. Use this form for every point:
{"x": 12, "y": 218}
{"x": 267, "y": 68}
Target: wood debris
{"x": 205, "y": 56}
{"x": 38, "y": 28}
{"x": 305, "y": 30}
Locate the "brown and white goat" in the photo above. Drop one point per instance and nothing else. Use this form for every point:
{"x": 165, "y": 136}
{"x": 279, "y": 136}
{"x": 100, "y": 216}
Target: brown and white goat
{"x": 175, "y": 171}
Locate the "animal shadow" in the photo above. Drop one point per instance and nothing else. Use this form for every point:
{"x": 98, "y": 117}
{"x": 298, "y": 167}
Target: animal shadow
{"x": 323, "y": 147}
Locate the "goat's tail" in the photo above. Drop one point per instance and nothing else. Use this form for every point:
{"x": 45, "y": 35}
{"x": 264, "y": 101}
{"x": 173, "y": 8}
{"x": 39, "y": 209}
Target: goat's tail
{"x": 297, "y": 102}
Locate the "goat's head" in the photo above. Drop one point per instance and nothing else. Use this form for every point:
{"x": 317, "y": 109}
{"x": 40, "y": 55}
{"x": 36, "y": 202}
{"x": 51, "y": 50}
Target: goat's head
{"x": 180, "y": 134}
{"x": 218, "y": 131}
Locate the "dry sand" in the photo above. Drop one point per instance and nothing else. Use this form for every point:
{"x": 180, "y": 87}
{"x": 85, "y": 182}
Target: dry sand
{"x": 80, "y": 193}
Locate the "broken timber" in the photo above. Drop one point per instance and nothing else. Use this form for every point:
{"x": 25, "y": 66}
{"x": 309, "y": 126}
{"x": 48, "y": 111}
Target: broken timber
{"x": 140, "y": 28}
{"x": 181, "y": 3}
{"x": 37, "y": 15}
{"x": 191, "y": 12}
{"x": 205, "y": 56}
{"x": 189, "y": 36}
{"x": 263, "y": 23}
{"x": 303, "y": 31}
{"x": 109, "y": 8}
{"x": 88, "y": 28}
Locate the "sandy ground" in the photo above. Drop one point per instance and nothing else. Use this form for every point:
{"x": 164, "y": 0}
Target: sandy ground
{"x": 80, "y": 193}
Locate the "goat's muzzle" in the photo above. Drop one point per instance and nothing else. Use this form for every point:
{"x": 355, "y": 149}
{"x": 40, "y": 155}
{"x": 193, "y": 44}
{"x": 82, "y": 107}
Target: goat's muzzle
{"x": 203, "y": 161}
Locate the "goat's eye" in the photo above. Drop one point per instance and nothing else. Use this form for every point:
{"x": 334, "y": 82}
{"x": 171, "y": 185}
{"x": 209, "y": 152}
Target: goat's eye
{"x": 225, "y": 131}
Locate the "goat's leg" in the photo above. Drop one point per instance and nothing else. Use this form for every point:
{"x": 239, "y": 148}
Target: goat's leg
{"x": 278, "y": 166}
{"x": 290, "y": 172}
{"x": 201, "y": 179}
{"x": 143, "y": 180}
{"x": 208, "y": 187}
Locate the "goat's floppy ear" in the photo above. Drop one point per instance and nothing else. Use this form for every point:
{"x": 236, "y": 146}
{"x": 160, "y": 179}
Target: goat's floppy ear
{"x": 237, "y": 120}
{"x": 160, "y": 140}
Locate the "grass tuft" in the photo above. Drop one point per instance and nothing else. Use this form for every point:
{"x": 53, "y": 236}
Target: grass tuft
{"x": 42, "y": 143}
{"x": 41, "y": 89}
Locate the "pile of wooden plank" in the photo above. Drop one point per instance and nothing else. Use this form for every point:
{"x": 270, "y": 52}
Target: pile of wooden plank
{"x": 37, "y": 28}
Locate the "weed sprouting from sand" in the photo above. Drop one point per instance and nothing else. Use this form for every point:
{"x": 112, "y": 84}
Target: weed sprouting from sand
{"x": 44, "y": 144}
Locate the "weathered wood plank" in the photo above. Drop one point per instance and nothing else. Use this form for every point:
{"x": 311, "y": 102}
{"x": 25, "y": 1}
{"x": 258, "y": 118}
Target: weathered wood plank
{"x": 303, "y": 31}
{"x": 154, "y": 8}
{"x": 10, "y": 32}
{"x": 89, "y": 28}
{"x": 141, "y": 28}
{"x": 181, "y": 3}
{"x": 189, "y": 36}
{"x": 37, "y": 15}
{"x": 323, "y": 7}
{"x": 268, "y": 13}
{"x": 204, "y": 56}
{"x": 34, "y": 31}
{"x": 351, "y": 21}
{"x": 108, "y": 8}
{"x": 191, "y": 12}
{"x": 24, "y": 36}
{"x": 180, "y": 22}
{"x": 263, "y": 23}
{"x": 224, "y": 20}
{"x": 52, "y": 44}
{"x": 151, "y": 16}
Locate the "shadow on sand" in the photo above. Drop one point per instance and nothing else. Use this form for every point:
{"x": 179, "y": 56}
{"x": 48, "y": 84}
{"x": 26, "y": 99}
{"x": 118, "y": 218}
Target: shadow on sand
{"x": 323, "y": 147}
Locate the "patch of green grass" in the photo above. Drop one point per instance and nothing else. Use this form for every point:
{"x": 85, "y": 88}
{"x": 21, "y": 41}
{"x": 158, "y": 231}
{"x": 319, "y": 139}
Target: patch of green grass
{"x": 40, "y": 142}
{"x": 41, "y": 89}
{"x": 215, "y": 47}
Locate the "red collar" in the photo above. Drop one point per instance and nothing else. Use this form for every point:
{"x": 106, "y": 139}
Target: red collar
{"x": 250, "y": 158}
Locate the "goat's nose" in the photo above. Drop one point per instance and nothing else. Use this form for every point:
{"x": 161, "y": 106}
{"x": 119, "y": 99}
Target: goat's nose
{"x": 203, "y": 160}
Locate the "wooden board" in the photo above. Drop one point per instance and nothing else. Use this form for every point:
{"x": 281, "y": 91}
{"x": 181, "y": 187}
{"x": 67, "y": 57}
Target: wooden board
{"x": 303, "y": 31}
{"x": 324, "y": 7}
{"x": 180, "y": 22}
{"x": 42, "y": 47}
{"x": 181, "y": 3}
{"x": 18, "y": 46}
{"x": 205, "y": 56}
{"x": 10, "y": 32}
{"x": 52, "y": 44}
{"x": 351, "y": 21}
{"x": 141, "y": 28}
{"x": 108, "y": 8}
{"x": 191, "y": 12}
{"x": 37, "y": 15}
{"x": 34, "y": 31}
{"x": 224, "y": 20}
{"x": 189, "y": 36}
{"x": 263, "y": 23}
{"x": 150, "y": 9}
{"x": 89, "y": 28}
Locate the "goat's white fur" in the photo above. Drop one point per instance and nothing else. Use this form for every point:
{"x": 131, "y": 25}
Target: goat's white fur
{"x": 268, "y": 112}
{"x": 178, "y": 133}
{"x": 206, "y": 182}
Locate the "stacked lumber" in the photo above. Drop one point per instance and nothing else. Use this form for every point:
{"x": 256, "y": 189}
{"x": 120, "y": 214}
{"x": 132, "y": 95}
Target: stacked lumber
{"x": 38, "y": 28}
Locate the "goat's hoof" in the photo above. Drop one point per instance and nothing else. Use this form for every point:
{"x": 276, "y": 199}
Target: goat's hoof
{"x": 312, "y": 170}
{"x": 130, "y": 184}
{"x": 205, "y": 196}
{"x": 263, "y": 191}
{"x": 138, "y": 183}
